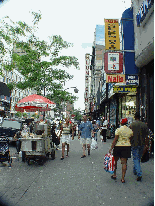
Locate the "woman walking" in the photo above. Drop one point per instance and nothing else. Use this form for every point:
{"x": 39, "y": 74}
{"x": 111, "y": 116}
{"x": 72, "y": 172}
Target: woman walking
{"x": 122, "y": 147}
{"x": 66, "y": 137}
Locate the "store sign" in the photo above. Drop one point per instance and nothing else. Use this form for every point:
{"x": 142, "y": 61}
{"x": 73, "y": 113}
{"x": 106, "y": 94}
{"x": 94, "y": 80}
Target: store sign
{"x": 144, "y": 9}
{"x": 115, "y": 78}
{"x": 112, "y": 41}
{"x": 124, "y": 89}
{"x": 132, "y": 79}
{"x": 113, "y": 62}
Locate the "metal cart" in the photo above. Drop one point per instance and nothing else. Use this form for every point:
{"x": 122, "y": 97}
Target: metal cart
{"x": 38, "y": 147}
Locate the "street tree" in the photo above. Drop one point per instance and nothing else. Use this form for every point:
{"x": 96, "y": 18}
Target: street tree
{"x": 39, "y": 61}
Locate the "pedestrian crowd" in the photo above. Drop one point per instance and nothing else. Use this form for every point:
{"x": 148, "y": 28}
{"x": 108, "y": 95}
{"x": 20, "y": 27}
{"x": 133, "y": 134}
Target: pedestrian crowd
{"x": 135, "y": 138}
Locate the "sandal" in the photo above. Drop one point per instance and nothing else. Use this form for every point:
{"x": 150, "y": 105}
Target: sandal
{"x": 123, "y": 181}
{"x": 83, "y": 156}
{"x": 112, "y": 177}
{"x": 62, "y": 158}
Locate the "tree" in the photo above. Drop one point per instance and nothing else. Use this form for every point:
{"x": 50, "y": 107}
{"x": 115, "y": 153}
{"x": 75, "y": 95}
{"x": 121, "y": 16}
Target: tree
{"x": 40, "y": 61}
{"x": 77, "y": 114}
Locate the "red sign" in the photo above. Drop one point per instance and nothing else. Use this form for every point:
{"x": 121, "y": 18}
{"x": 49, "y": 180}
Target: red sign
{"x": 113, "y": 62}
{"x": 115, "y": 78}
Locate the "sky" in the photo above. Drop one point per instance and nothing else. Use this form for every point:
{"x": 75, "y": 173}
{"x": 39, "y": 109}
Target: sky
{"x": 74, "y": 20}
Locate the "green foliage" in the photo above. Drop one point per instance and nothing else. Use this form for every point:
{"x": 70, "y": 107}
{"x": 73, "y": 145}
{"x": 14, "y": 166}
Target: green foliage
{"x": 10, "y": 86}
{"x": 77, "y": 114}
{"x": 40, "y": 74}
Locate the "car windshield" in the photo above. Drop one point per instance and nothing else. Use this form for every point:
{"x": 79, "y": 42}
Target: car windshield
{"x": 12, "y": 124}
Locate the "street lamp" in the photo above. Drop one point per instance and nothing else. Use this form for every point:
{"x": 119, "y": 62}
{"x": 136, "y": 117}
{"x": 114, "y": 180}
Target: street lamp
{"x": 75, "y": 89}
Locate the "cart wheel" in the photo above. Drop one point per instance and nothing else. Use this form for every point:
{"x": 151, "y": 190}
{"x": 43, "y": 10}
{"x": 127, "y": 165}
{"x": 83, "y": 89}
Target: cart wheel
{"x": 53, "y": 154}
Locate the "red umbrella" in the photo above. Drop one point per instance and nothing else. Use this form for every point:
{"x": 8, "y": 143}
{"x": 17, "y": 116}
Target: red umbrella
{"x": 34, "y": 103}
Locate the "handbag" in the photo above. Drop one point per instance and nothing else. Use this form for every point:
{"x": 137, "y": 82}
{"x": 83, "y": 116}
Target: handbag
{"x": 109, "y": 163}
{"x": 145, "y": 157}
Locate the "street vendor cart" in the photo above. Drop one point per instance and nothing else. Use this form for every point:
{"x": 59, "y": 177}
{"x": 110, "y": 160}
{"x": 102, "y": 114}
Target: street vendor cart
{"x": 37, "y": 147}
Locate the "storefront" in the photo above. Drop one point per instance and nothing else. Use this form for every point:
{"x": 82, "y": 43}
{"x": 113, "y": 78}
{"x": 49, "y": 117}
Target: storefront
{"x": 146, "y": 94}
{"x": 127, "y": 106}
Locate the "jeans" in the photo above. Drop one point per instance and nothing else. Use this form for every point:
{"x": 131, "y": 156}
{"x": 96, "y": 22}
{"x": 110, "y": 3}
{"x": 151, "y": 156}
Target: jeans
{"x": 137, "y": 154}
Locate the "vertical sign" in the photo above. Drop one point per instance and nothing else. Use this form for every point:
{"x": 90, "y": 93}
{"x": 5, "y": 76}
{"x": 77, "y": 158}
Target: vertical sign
{"x": 87, "y": 70}
{"x": 112, "y": 34}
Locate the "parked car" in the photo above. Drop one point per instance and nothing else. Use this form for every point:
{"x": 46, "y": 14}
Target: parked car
{"x": 9, "y": 128}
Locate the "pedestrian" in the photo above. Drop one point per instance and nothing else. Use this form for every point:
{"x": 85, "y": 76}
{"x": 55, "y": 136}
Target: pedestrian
{"x": 85, "y": 129}
{"x": 139, "y": 143}
{"x": 66, "y": 137}
{"x": 95, "y": 129}
{"x": 18, "y": 142}
{"x": 122, "y": 147}
{"x": 104, "y": 130}
{"x": 55, "y": 138}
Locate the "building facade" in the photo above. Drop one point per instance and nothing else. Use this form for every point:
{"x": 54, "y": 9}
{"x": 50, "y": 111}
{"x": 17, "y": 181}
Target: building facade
{"x": 143, "y": 15}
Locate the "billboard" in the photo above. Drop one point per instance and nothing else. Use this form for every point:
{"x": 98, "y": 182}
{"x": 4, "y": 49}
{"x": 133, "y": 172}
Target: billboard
{"x": 113, "y": 62}
{"x": 112, "y": 41}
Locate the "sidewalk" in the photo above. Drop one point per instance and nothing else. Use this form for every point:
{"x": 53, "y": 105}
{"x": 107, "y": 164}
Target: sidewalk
{"x": 75, "y": 181}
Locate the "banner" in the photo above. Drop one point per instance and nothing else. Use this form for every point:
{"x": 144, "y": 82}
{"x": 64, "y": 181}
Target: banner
{"x": 112, "y": 41}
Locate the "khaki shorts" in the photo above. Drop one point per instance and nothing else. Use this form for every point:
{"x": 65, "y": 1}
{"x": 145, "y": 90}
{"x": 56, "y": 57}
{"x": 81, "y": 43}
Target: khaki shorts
{"x": 86, "y": 141}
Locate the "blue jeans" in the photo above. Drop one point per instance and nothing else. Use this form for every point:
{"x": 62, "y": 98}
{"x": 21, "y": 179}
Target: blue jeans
{"x": 137, "y": 154}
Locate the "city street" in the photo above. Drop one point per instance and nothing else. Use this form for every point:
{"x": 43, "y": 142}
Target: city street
{"x": 74, "y": 181}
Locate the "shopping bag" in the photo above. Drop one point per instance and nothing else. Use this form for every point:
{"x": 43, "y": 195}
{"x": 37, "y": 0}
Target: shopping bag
{"x": 109, "y": 163}
{"x": 94, "y": 144}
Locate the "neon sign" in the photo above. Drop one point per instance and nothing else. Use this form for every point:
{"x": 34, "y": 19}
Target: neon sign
{"x": 144, "y": 8}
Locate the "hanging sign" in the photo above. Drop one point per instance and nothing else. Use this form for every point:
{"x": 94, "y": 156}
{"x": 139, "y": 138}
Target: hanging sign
{"x": 124, "y": 89}
{"x": 113, "y": 62}
{"x": 115, "y": 78}
{"x": 132, "y": 79}
{"x": 112, "y": 34}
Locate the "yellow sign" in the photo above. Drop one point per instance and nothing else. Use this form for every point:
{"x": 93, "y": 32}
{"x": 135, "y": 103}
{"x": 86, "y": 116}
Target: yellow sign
{"x": 112, "y": 41}
{"x": 125, "y": 89}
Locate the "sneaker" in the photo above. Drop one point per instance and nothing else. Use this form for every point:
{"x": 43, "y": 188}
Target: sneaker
{"x": 139, "y": 178}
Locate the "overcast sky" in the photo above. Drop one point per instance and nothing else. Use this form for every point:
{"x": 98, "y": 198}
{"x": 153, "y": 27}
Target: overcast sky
{"x": 75, "y": 21}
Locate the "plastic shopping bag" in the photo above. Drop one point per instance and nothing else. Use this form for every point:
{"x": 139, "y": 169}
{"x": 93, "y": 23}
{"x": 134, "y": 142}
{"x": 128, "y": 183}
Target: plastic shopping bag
{"x": 94, "y": 144}
{"x": 109, "y": 163}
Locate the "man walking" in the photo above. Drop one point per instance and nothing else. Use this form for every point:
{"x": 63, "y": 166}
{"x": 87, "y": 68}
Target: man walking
{"x": 138, "y": 142}
{"x": 85, "y": 129}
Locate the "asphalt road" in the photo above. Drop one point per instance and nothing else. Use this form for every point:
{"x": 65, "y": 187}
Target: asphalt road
{"x": 74, "y": 181}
